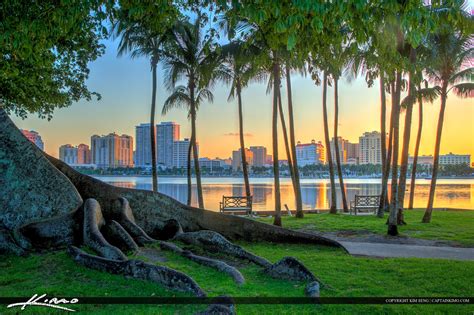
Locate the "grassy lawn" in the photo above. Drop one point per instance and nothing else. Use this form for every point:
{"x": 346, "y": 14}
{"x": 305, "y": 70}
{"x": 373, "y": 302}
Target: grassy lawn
{"x": 56, "y": 274}
{"x": 457, "y": 226}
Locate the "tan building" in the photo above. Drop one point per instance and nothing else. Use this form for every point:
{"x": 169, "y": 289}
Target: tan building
{"x": 112, "y": 150}
{"x": 237, "y": 159}
{"x": 370, "y": 148}
{"x": 83, "y": 154}
{"x": 342, "y": 146}
{"x": 34, "y": 137}
{"x": 259, "y": 155}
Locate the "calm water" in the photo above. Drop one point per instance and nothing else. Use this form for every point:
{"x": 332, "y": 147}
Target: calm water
{"x": 450, "y": 193}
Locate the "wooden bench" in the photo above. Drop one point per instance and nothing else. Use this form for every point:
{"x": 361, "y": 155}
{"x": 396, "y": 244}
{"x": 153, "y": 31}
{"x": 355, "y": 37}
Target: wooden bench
{"x": 365, "y": 203}
{"x": 236, "y": 203}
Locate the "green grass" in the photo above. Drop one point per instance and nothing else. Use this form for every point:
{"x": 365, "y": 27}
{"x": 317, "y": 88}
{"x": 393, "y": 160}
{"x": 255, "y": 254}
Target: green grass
{"x": 56, "y": 274}
{"x": 456, "y": 226}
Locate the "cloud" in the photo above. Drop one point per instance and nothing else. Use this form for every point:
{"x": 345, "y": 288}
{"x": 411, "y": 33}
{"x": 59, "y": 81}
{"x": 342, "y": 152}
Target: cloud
{"x": 236, "y": 134}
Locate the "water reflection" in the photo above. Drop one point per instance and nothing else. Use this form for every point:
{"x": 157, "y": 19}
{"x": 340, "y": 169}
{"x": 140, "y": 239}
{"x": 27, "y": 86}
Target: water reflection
{"x": 315, "y": 195}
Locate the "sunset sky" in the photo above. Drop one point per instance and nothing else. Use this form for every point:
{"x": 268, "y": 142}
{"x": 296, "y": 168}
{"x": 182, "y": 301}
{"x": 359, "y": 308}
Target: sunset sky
{"x": 125, "y": 86}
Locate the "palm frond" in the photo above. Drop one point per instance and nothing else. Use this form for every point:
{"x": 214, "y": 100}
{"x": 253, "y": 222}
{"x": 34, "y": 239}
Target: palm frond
{"x": 463, "y": 75}
{"x": 178, "y": 99}
{"x": 464, "y": 90}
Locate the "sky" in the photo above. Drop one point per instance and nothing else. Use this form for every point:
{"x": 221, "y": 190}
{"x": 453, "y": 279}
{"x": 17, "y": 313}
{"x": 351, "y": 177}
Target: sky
{"x": 125, "y": 86}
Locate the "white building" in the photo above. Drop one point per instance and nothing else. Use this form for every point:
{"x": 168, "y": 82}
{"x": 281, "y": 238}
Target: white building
{"x": 143, "y": 145}
{"x": 68, "y": 154}
{"x": 112, "y": 150}
{"x": 34, "y": 137}
{"x": 310, "y": 153}
{"x": 166, "y": 134}
{"x": 212, "y": 164}
{"x": 370, "y": 148}
{"x": 454, "y": 159}
{"x": 180, "y": 153}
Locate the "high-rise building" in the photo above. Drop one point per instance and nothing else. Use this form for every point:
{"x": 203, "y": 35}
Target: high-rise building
{"x": 342, "y": 146}
{"x": 112, "y": 150}
{"x": 237, "y": 159}
{"x": 166, "y": 134}
{"x": 370, "y": 148}
{"x": 83, "y": 154}
{"x": 68, "y": 154}
{"x": 352, "y": 153}
{"x": 180, "y": 153}
{"x": 34, "y": 137}
{"x": 310, "y": 153}
{"x": 143, "y": 145}
{"x": 259, "y": 155}
{"x": 454, "y": 159}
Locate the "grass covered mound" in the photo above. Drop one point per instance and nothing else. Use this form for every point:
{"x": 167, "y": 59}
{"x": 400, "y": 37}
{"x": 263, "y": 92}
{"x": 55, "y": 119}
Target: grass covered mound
{"x": 57, "y": 275}
{"x": 454, "y": 226}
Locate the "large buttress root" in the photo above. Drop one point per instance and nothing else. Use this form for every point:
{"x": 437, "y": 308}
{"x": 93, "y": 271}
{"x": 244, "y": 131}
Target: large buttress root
{"x": 119, "y": 237}
{"x": 214, "y": 242}
{"x": 126, "y": 219}
{"x": 93, "y": 221}
{"x": 169, "y": 278}
{"x": 206, "y": 261}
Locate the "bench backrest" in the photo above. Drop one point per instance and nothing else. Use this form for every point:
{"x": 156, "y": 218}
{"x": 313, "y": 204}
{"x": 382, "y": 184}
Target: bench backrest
{"x": 237, "y": 201}
{"x": 367, "y": 201}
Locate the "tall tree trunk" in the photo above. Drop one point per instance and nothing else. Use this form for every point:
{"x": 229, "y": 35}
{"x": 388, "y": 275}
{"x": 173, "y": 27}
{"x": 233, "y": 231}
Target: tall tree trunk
{"x": 242, "y": 143}
{"x": 392, "y": 219}
{"x": 439, "y": 130}
{"x": 299, "y": 200}
{"x": 287, "y": 144}
{"x": 154, "y": 175}
{"x": 276, "y": 167}
{"x": 417, "y": 149}
{"x": 188, "y": 162}
{"x": 336, "y": 146}
{"x": 197, "y": 171}
{"x": 383, "y": 143}
{"x": 406, "y": 143}
{"x": 333, "y": 207}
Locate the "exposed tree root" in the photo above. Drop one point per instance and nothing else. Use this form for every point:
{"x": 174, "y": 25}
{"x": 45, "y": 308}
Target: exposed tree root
{"x": 119, "y": 237}
{"x": 214, "y": 242}
{"x": 167, "y": 277}
{"x": 213, "y": 263}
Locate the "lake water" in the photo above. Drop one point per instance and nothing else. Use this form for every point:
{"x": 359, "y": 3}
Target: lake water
{"x": 450, "y": 193}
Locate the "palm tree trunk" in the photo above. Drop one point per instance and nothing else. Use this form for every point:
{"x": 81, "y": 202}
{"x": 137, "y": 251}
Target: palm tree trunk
{"x": 276, "y": 167}
{"x": 406, "y": 145}
{"x": 287, "y": 144}
{"x": 188, "y": 162}
{"x": 417, "y": 148}
{"x": 383, "y": 143}
{"x": 439, "y": 130}
{"x": 336, "y": 146}
{"x": 332, "y": 208}
{"x": 197, "y": 171}
{"x": 154, "y": 175}
{"x": 392, "y": 219}
{"x": 242, "y": 143}
{"x": 299, "y": 200}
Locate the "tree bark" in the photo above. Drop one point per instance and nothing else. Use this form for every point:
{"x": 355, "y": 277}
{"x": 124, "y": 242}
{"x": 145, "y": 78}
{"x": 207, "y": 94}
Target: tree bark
{"x": 197, "y": 170}
{"x": 383, "y": 131}
{"x": 276, "y": 166}
{"x": 299, "y": 201}
{"x": 392, "y": 219}
{"x": 333, "y": 207}
{"x": 242, "y": 143}
{"x": 406, "y": 144}
{"x": 417, "y": 149}
{"x": 336, "y": 146}
{"x": 439, "y": 130}
{"x": 287, "y": 144}
{"x": 154, "y": 175}
{"x": 189, "y": 173}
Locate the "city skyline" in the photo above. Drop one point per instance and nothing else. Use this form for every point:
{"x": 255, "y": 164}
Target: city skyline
{"x": 125, "y": 84}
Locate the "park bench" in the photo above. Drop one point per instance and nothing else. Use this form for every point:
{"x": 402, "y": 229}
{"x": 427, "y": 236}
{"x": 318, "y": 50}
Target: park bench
{"x": 236, "y": 203}
{"x": 365, "y": 203}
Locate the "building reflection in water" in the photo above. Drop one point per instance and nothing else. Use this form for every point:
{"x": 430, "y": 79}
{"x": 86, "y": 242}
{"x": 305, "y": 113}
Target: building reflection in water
{"x": 314, "y": 195}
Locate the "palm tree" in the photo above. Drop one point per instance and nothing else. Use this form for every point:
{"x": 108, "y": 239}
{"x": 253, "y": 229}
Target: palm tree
{"x": 450, "y": 52}
{"x": 238, "y": 72}
{"x": 140, "y": 42}
{"x": 191, "y": 56}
